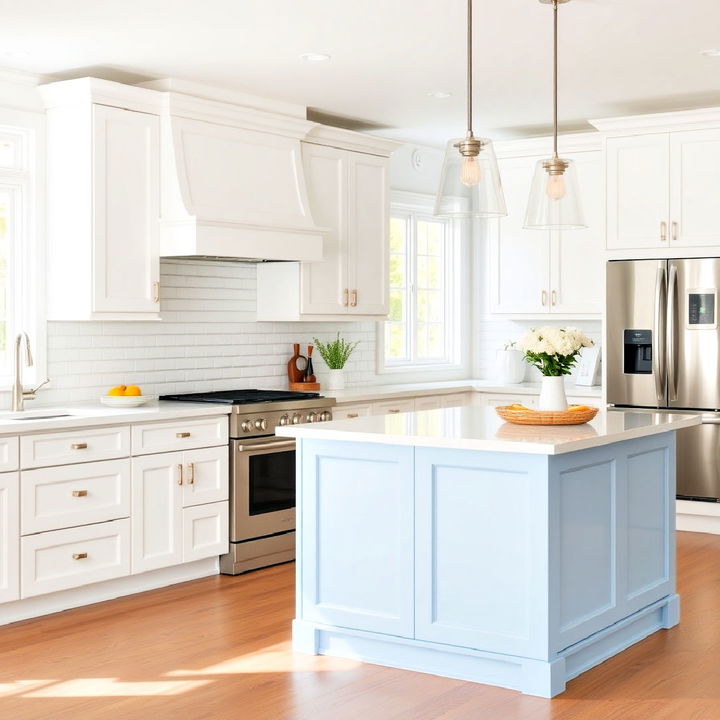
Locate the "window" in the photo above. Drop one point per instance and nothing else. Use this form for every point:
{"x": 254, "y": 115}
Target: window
{"x": 422, "y": 330}
{"x": 20, "y": 294}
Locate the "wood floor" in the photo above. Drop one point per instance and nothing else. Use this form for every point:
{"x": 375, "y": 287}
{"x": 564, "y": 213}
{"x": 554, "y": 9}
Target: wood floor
{"x": 220, "y": 648}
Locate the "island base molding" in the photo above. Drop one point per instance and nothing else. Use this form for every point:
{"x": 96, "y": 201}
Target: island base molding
{"x": 107, "y": 590}
{"x": 528, "y": 675}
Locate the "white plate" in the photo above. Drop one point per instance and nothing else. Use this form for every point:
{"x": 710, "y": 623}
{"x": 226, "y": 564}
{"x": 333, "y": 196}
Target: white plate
{"x": 126, "y": 401}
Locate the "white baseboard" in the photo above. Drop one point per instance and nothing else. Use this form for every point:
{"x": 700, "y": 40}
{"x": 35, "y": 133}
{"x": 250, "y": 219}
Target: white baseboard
{"x": 694, "y": 516}
{"x": 107, "y": 590}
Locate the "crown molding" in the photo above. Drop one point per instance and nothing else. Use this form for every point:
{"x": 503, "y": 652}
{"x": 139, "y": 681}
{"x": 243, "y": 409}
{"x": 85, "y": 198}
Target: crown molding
{"x": 659, "y": 122}
{"x": 542, "y": 146}
{"x": 351, "y": 140}
{"x": 83, "y": 91}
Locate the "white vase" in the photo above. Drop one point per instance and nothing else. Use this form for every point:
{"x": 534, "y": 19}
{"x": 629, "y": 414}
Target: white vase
{"x": 509, "y": 367}
{"x": 552, "y": 393}
{"x": 336, "y": 380}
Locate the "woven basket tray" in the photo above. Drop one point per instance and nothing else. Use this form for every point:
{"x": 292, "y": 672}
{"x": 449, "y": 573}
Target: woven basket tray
{"x": 524, "y": 416}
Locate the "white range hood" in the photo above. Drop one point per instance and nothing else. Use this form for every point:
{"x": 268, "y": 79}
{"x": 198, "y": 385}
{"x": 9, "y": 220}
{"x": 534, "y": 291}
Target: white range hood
{"x": 232, "y": 184}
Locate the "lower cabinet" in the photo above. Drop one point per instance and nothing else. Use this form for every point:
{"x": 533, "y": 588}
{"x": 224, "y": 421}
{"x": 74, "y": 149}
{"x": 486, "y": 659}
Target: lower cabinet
{"x": 163, "y": 486}
{"x": 401, "y": 405}
{"x": 205, "y": 531}
{"x": 9, "y": 536}
{"x": 339, "y": 492}
{"x": 63, "y": 559}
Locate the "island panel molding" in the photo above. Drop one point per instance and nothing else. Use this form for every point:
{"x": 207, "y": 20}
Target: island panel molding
{"x": 521, "y": 570}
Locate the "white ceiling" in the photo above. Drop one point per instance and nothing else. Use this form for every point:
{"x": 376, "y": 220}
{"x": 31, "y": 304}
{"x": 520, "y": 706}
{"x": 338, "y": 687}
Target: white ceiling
{"x": 618, "y": 57}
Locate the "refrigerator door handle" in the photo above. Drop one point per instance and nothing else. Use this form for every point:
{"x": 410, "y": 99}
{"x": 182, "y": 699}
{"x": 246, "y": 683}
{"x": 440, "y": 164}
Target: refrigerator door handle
{"x": 710, "y": 420}
{"x": 658, "y": 350}
{"x": 671, "y": 332}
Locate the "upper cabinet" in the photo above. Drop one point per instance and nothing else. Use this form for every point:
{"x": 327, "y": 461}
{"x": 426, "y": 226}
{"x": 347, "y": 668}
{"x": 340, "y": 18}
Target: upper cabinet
{"x": 663, "y": 182}
{"x": 349, "y": 197}
{"x": 544, "y": 273}
{"x": 103, "y": 202}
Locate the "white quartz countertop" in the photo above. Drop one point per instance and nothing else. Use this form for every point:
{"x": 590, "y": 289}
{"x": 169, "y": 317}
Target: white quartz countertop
{"x": 94, "y": 414}
{"x": 368, "y": 393}
{"x": 477, "y": 428}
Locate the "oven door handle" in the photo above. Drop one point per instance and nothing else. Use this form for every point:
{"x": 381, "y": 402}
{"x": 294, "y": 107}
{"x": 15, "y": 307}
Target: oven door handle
{"x": 267, "y": 446}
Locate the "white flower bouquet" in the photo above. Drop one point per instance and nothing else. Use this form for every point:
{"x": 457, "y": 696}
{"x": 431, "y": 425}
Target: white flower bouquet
{"x": 554, "y": 351}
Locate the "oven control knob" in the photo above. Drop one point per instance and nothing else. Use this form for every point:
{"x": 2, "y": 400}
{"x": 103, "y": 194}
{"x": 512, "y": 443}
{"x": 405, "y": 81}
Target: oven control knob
{"x": 312, "y": 417}
{"x": 261, "y": 424}
{"x": 246, "y": 425}
{"x": 326, "y": 415}
{"x": 284, "y": 420}
{"x": 296, "y": 419}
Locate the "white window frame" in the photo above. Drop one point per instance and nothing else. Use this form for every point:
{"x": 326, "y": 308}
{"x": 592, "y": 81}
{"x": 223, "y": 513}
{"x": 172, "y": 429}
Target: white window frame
{"x": 26, "y": 276}
{"x": 413, "y": 207}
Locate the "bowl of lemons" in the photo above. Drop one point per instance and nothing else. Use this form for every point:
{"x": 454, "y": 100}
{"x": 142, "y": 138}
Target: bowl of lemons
{"x": 125, "y": 396}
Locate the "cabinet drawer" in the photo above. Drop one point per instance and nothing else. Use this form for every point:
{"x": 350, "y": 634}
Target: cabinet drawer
{"x": 64, "y": 559}
{"x": 179, "y": 435}
{"x": 9, "y": 454}
{"x": 74, "y": 446}
{"x": 61, "y": 497}
{"x": 457, "y": 400}
{"x": 347, "y": 412}
{"x": 205, "y": 476}
{"x": 205, "y": 531}
{"x": 392, "y": 407}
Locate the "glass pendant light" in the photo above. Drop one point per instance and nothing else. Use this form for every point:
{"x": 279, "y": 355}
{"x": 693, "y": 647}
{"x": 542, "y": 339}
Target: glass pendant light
{"x": 554, "y": 202}
{"x": 470, "y": 180}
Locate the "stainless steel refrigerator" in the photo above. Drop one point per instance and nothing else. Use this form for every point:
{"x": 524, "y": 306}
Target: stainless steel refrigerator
{"x": 663, "y": 351}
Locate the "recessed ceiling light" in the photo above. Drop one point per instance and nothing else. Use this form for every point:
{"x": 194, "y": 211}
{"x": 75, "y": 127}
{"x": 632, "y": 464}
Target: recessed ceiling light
{"x": 713, "y": 52}
{"x": 439, "y": 94}
{"x": 314, "y": 57}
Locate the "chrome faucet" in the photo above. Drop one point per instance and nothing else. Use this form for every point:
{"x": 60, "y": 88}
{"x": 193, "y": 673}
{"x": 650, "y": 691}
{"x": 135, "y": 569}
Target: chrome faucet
{"x": 19, "y": 396}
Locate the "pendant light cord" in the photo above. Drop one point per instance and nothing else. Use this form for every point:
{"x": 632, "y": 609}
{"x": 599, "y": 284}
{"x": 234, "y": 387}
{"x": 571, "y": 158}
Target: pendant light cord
{"x": 469, "y": 68}
{"x": 555, "y": 78}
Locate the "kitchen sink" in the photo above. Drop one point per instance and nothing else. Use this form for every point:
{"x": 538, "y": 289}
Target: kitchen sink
{"x": 34, "y": 415}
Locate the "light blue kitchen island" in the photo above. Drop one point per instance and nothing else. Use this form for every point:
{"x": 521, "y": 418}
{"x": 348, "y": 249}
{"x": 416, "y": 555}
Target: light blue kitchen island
{"x": 448, "y": 542}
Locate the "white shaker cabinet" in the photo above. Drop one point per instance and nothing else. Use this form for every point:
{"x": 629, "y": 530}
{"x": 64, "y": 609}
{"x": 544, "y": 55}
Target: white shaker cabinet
{"x": 9, "y": 537}
{"x": 103, "y": 206}
{"x": 662, "y": 190}
{"x": 349, "y": 195}
{"x": 544, "y": 272}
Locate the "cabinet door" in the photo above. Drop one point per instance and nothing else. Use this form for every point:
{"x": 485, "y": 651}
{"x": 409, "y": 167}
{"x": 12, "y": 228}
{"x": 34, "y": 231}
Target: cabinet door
{"x": 638, "y": 176}
{"x": 156, "y": 511}
{"x": 431, "y": 402}
{"x": 126, "y": 206}
{"x": 205, "y": 531}
{"x": 323, "y": 284}
{"x": 577, "y": 257}
{"x": 348, "y": 412}
{"x": 393, "y": 407}
{"x": 519, "y": 259}
{"x": 350, "y": 494}
{"x": 694, "y": 188}
{"x": 368, "y": 234}
{"x": 206, "y": 476}
{"x": 9, "y": 537}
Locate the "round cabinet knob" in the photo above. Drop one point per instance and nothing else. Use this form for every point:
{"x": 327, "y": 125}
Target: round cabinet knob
{"x": 246, "y": 425}
{"x": 296, "y": 419}
{"x": 261, "y": 424}
{"x": 326, "y": 415}
{"x": 312, "y": 417}
{"x": 284, "y": 420}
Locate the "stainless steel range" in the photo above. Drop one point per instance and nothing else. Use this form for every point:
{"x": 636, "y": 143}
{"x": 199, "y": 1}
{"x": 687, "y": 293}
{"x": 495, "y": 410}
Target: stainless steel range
{"x": 262, "y": 472}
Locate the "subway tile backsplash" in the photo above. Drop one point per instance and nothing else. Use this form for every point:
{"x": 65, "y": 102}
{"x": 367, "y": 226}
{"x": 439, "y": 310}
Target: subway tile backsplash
{"x": 207, "y": 339}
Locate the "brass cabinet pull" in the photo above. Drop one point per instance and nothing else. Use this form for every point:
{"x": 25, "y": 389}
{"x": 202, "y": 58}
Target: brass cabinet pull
{"x": 353, "y": 415}
{"x": 180, "y": 474}
{"x": 79, "y": 556}
{"x": 553, "y": 298}
{"x": 353, "y": 300}
{"x": 663, "y": 231}
{"x": 79, "y": 446}
{"x": 393, "y": 411}
{"x": 543, "y": 298}
{"x": 156, "y": 292}
{"x": 182, "y": 435}
{"x": 674, "y": 231}
{"x": 191, "y": 473}
{"x": 346, "y": 295}
{"x": 79, "y": 493}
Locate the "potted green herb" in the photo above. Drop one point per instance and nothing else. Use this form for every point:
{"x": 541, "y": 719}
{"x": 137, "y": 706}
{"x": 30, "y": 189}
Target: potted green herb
{"x": 335, "y": 354}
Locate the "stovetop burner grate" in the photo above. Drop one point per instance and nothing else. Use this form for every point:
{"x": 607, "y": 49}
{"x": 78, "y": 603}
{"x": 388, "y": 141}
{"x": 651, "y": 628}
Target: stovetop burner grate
{"x": 242, "y": 397}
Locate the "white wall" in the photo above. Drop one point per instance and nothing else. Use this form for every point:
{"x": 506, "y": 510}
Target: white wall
{"x": 405, "y": 175}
